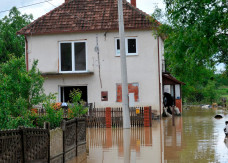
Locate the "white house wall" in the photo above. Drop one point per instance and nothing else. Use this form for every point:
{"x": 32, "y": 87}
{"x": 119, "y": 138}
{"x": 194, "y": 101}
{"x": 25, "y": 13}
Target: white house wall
{"x": 162, "y": 57}
{"x": 142, "y": 69}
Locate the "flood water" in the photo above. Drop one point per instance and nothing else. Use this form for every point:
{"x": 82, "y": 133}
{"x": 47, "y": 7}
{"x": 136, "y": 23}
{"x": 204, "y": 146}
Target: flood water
{"x": 196, "y": 137}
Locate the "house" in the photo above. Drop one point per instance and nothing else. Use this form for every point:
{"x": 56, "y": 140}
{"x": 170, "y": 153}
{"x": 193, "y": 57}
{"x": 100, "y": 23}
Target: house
{"x": 77, "y": 45}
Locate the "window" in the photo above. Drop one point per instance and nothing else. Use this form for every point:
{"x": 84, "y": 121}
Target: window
{"x": 131, "y": 46}
{"x": 72, "y": 56}
{"x": 65, "y": 92}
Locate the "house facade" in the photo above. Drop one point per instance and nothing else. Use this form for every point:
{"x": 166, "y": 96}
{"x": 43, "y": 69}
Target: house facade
{"x": 77, "y": 46}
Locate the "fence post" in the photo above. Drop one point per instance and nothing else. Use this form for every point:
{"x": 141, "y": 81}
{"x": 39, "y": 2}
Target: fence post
{"x": 173, "y": 115}
{"x": 146, "y": 116}
{"x": 76, "y": 121}
{"x": 49, "y": 146}
{"x": 63, "y": 126}
{"x": 108, "y": 117}
{"x": 47, "y": 126}
{"x": 21, "y": 129}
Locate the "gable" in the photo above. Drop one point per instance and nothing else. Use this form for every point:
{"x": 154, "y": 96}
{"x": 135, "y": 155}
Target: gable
{"x": 88, "y": 15}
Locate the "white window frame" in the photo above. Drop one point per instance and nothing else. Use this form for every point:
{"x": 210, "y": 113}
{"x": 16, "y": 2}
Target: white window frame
{"x": 126, "y": 46}
{"x": 72, "y": 56}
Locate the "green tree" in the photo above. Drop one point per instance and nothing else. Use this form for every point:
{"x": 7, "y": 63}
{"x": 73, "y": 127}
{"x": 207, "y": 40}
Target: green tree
{"x": 196, "y": 40}
{"x": 205, "y": 24}
{"x": 10, "y": 42}
{"x": 19, "y": 89}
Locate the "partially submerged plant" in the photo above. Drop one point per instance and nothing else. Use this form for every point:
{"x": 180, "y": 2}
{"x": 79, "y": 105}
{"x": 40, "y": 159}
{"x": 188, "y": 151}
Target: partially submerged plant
{"x": 76, "y": 108}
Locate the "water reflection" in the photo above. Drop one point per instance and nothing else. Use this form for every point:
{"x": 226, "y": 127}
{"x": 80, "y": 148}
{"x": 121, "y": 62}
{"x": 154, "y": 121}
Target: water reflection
{"x": 196, "y": 137}
{"x": 123, "y": 145}
{"x": 226, "y": 142}
{"x": 172, "y": 138}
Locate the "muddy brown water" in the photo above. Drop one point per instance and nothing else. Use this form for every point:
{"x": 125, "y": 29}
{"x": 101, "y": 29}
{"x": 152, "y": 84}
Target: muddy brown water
{"x": 196, "y": 137}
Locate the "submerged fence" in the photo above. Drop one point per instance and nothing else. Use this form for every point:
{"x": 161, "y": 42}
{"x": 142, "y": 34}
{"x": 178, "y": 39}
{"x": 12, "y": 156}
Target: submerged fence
{"x": 26, "y": 145}
{"x": 96, "y": 117}
{"x": 113, "y": 117}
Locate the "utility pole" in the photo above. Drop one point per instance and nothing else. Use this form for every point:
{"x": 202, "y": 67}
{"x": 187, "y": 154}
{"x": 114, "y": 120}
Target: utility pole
{"x": 125, "y": 105}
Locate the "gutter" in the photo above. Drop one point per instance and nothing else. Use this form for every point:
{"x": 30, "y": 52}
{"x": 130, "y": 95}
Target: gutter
{"x": 26, "y": 53}
{"x": 159, "y": 76}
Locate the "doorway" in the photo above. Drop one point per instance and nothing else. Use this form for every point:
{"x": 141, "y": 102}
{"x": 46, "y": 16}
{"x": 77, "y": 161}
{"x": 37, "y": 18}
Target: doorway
{"x": 65, "y": 93}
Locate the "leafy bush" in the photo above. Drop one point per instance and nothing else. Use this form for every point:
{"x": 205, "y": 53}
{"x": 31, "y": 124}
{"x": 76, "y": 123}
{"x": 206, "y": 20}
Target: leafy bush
{"x": 53, "y": 116}
{"x": 76, "y": 109}
{"x": 19, "y": 89}
{"x": 20, "y": 121}
{"x": 19, "y": 92}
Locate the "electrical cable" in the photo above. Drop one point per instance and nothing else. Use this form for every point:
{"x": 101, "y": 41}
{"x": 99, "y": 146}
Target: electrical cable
{"x": 27, "y": 5}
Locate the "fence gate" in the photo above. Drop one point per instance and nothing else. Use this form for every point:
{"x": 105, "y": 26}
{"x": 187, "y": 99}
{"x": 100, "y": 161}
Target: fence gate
{"x": 137, "y": 116}
{"x": 24, "y": 145}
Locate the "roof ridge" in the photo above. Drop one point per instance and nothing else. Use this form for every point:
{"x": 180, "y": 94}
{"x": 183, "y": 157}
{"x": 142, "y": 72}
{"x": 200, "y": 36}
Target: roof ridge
{"x": 140, "y": 11}
{"x": 137, "y": 9}
{"x": 96, "y": 16}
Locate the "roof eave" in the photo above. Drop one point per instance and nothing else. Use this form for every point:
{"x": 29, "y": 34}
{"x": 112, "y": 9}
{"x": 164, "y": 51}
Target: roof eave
{"x": 77, "y": 31}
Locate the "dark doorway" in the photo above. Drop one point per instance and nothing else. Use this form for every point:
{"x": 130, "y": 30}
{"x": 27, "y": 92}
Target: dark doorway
{"x": 65, "y": 92}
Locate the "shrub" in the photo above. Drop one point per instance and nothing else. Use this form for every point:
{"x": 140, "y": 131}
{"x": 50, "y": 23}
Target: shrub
{"x": 53, "y": 116}
{"x": 76, "y": 109}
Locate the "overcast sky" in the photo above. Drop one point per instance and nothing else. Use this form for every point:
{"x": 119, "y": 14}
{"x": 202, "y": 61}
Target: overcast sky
{"x": 40, "y": 9}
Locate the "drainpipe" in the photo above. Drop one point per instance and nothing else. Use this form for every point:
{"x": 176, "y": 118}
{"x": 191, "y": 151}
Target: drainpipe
{"x": 159, "y": 76}
{"x": 26, "y": 53}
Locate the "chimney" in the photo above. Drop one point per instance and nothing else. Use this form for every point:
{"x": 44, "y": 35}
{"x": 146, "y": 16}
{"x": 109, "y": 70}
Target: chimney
{"x": 133, "y": 2}
{"x": 66, "y": 1}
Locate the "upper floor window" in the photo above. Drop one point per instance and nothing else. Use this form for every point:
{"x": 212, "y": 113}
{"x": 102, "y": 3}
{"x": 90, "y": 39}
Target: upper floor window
{"x": 130, "y": 45}
{"x": 72, "y": 56}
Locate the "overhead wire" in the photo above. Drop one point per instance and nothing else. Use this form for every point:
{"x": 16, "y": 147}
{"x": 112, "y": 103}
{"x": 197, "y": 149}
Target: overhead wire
{"x": 27, "y": 5}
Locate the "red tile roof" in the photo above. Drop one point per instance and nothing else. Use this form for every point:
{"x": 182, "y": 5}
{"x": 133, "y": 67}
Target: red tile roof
{"x": 169, "y": 79}
{"x": 87, "y": 15}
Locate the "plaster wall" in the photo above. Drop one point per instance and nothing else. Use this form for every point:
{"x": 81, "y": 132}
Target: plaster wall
{"x": 142, "y": 68}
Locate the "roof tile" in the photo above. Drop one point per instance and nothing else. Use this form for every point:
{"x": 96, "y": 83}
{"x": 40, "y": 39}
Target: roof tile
{"x": 87, "y": 15}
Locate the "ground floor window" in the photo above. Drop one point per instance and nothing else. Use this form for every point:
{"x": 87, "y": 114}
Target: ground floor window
{"x": 65, "y": 92}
